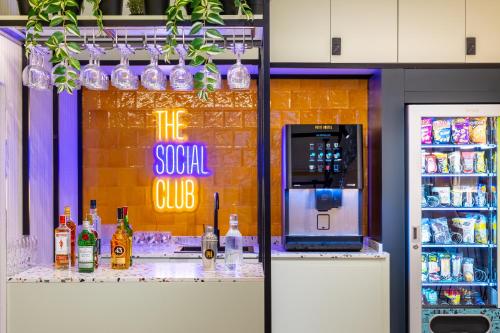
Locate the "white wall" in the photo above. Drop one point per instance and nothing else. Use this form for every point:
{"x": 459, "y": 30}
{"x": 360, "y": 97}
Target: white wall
{"x": 10, "y": 157}
{"x": 8, "y": 7}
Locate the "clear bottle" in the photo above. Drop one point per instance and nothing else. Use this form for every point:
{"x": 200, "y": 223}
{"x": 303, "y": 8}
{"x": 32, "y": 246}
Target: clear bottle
{"x": 86, "y": 248}
{"x": 233, "y": 254}
{"x": 62, "y": 233}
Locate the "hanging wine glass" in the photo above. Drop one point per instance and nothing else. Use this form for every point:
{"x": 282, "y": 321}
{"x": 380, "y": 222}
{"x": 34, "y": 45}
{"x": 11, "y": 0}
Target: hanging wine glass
{"x": 181, "y": 78}
{"x": 92, "y": 75}
{"x": 238, "y": 77}
{"x": 35, "y": 75}
{"x": 122, "y": 76}
{"x": 153, "y": 78}
{"x": 216, "y": 78}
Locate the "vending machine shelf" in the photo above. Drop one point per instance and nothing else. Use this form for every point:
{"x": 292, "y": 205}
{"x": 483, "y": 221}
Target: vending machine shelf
{"x": 463, "y": 146}
{"x": 441, "y": 175}
{"x": 458, "y": 284}
{"x": 459, "y": 209}
{"x": 428, "y": 245}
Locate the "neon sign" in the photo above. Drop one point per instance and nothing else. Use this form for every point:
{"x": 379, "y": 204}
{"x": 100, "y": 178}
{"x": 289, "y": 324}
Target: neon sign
{"x": 177, "y": 164}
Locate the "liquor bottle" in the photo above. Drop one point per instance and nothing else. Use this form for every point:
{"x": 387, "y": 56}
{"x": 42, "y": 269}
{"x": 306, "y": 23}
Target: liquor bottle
{"x": 90, "y": 219}
{"x": 233, "y": 254}
{"x": 128, "y": 229}
{"x": 97, "y": 225}
{"x": 86, "y": 248}
{"x": 62, "y": 244}
{"x": 72, "y": 226}
{"x": 120, "y": 256}
{"x": 209, "y": 248}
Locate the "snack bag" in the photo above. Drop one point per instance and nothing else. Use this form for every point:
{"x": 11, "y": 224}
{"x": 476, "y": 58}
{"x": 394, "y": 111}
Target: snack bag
{"x": 442, "y": 162}
{"x": 425, "y": 270}
{"x": 456, "y": 196}
{"x": 468, "y": 161}
{"x": 424, "y": 155}
{"x": 441, "y": 231}
{"x": 432, "y": 296}
{"x": 426, "y": 231}
{"x": 480, "y": 162}
{"x": 460, "y": 130}
{"x": 444, "y": 194}
{"x": 456, "y": 267}
{"x": 426, "y": 131}
{"x": 433, "y": 267}
{"x": 480, "y": 230}
{"x": 468, "y": 269}
{"x": 453, "y": 296}
{"x": 465, "y": 227}
{"x": 445, "y": 266}
{"x": 480, "y": 198}
{"x": 431, "y": 163}
{"x": 455, "y": 162}
{"x": 477, "y": 130}
{"x": 441, "y": 131}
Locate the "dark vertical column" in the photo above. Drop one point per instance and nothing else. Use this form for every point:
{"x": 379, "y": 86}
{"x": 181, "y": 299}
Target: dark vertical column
{"x": 393, "y": 192}
{"x": 264, "y": 163}
{"x": 55, "y": 154}
{"x": 25, "y": 153}
{"x": 80, "y": 156}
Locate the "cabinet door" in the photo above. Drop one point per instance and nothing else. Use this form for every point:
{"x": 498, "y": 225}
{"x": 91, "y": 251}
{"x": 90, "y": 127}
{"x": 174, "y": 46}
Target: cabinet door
{"x": 483, "y": 23}
{"x": 300, "y": 31}
{"x": 365, "y": 37}
{"x": 431, "y": 31}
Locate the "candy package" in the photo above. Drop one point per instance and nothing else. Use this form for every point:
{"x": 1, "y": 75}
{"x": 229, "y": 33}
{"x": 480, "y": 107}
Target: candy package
{"x": 456, "y": 196}
{"x": 445, "y": 266}
{"x": 426, "y": 131}
{"x": 431, "y": 296}
{"x": 431, "y": 163}
{"x": 477, "y": 130}
{"x": 480, "y": 230}
{"x": 442, "y": 162}
{"x": 453, "y": 296}
{"x": 468, "y": 161}
{"x": 440, "y": 231}
{"x": 460, "y": 130}
{"x": 480, "y": 162}
{"x": 425, "y": 270}
{"x": 424, "y": 154}
{"x": 468, "y": 269}
{"x": 455, "y": 162}
{"x": 433, "y": 267}
{"x": 465, "y": 227}
{"x": 443, "y": 193}
{"x": 456, "y": 267}
{"x": 426, "y": 231}
{"x": 441, "y": 131}
{"x": 480, "y": 196}
{"x": 468, "y": 197}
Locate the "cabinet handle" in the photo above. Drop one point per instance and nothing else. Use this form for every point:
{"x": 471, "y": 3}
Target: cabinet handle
{"x": 470, "y": 43}
{"x": 336, "y": 46}
{"x": 415, "y": 233}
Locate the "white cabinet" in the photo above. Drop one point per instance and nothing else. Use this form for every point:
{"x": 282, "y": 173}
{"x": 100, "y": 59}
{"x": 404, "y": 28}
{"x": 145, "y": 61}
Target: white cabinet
{"x": 483, "y": 23}
{"x": 300, "y": 31}
{"x": 432, "y": 31}
{"x": 368, "y": 30}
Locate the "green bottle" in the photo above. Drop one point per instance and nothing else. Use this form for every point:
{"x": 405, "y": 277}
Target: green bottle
{"x": 86, "y": 248}
{"x": 128, "y": 230}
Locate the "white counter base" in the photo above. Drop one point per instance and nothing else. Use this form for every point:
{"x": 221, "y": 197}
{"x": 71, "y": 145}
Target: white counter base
{"x": 330, "y": 293}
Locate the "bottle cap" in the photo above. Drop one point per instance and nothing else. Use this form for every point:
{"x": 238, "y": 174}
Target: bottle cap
{"x": 93, "y": 204}
{"x": 233, "y": 219}
{"x": 90, "y": 218}
{"x": 209, "y": 229}
{"x": 125, "y": 210}
{"x": 67, "y": 210}
{"x": 62, "y": 219}
{"x": 120, "y": 213}
{"x": 86, "y": 224}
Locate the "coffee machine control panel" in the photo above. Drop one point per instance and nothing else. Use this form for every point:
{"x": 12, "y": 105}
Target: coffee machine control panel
{"x": 324, "y": 156}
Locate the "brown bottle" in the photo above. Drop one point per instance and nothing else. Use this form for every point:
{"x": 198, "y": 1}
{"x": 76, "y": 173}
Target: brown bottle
{"x": 62, "y": 247}
{"x": 120, "y": 255}
{"x": 72, "y": 226}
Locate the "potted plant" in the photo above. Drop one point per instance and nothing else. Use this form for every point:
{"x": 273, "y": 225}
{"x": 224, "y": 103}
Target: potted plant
{"x": 229, "y": 7}
{"x": 155, "y": 7}
{"x": 24, "y": 6}
{"x": 111, "y": 7}
{"x": 136, "y": 7}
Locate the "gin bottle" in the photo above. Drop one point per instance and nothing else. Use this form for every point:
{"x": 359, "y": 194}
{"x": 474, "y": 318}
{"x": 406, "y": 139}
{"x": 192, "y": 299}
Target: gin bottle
{"x": 86, "y": 248}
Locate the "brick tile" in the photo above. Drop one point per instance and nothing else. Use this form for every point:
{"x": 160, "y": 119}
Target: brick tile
{"x": 338, "y": 99}
{"x": 136, "y": 119}
{"x": 275, "y": 119}
{"x": 244, "y": 99}
{"x": 224, "y": 99}
{"x": 301, "y": 100}
{"x": 117, "y": 119}
{"x": 185, "y": 100}
{"x": 126, "y": 99}
{"x": 250, "y": 157}
{"x": 309, "y": 117}
{"x": 281, "y": 100}
{"x": 319, "y": 99}
{"x": 232, "y": 157}
{"x": 98, "y": 119}
{"x": 164, "y": 100}
{"x": 214, "y": 119}
{"x": 233, "y": 119}
{"x": 290, "y": 117}
{"x": 127, "y": 138}
{"x": 250, "y": 119}
{"x": 245, "y": 139}
{"x": 136, "y": 157}
{"x": 223, "y": 138}
{"x": 193, "y": 118}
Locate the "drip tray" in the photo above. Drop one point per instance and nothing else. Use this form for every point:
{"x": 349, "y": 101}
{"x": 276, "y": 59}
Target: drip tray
{"x": 197, "y": 249}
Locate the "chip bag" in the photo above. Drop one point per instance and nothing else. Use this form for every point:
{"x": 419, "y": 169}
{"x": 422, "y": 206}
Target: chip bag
{"x": 460, "y": 130}
{"x": 441, "y": 131}
{"x": 477, "y": 129}
{"x": 426, "y": 131}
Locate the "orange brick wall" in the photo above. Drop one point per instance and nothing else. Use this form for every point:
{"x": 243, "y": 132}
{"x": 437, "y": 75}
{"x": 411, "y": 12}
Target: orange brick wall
{"x": 318, "y": 101}
{"x": 119, "y": 135}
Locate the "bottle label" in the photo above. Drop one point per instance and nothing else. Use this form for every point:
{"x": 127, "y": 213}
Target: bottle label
{"x": 61, "y": 239}
{"x": 209, "y": 253}
{"x": 119, "y": 251}
{"x": 85, "y": 255}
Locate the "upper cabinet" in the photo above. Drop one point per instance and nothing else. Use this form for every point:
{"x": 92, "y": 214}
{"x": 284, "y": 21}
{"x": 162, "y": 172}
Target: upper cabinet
{"x": 483, "y": 24}
{"x": 432, "y": 31}
{"x": 367, "y": 29}
{"x": 300, "y": 31}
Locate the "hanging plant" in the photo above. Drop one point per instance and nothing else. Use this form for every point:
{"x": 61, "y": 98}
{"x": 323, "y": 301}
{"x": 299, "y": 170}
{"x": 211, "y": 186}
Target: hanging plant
{"x": 201, "y": 49}
{"x": 63, "y": 14}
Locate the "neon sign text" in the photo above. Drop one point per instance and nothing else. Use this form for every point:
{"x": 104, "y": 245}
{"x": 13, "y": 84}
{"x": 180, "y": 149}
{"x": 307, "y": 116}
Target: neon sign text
{"x": 175, "y": 194}
{"x": 180, "y": 159}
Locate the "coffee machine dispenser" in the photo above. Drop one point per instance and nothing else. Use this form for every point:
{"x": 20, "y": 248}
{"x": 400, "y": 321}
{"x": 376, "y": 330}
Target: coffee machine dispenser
{"x": 322, "y": 187}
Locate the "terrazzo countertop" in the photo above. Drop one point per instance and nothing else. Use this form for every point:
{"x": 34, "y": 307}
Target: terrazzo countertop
{"x": 278, "y": 252}
{"x": 147, "y": 272}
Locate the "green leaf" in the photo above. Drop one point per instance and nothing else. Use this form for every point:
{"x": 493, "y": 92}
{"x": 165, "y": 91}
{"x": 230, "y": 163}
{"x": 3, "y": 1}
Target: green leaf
{"x": 211, "y": 67}
{"x": 71, "y": 83}
{"x": 73, "y": 29}
{"x": 72, "y": 17}
{"x": 60, "y": 88}
{"x": 198, "y": 85}
{"x": 211, "y": 80}
{"x": 59, "y": 36}
{"x": 197, "y": 60}
{"x": 74, "y": 47}
{"x": 60, "y": 79}
{"x": 55, "y": 21}
{"x": 213, "y": 33}
{"x": 199, "y": 76}
{"x": 215, "y": 19}
{"x": 197, "y": 26}
{"x": 60, "y": 70}
{"x": 38, "y": 27}
{"x": 197, "y": 43}
{"x": 74, "y": 63}
{"x": 215, "y": 50}
{"x": 72, "y": 75}
{"x": 43, "y": 16}
{"x": 52, "y": 9}
{"x": 203, "y": 95}
{"x": 210, "y": 88}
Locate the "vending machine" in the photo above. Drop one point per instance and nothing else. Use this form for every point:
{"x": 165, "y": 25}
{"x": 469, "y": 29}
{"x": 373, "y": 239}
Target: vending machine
{"x": 452, "y": 163}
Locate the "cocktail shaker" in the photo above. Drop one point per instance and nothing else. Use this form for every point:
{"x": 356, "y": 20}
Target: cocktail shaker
{"x": 209, "y": 248}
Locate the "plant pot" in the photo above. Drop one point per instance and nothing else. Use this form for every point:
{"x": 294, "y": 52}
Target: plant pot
{"x": 155, "y": 7}
{"x": 24, "y": 7}
{"x": 111, "y": 7}
{"x": 229, "y": 7}
{"x": 257, "y": 6}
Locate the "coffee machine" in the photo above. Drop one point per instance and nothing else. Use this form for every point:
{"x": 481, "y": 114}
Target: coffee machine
{"x": 322, "y": 175}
